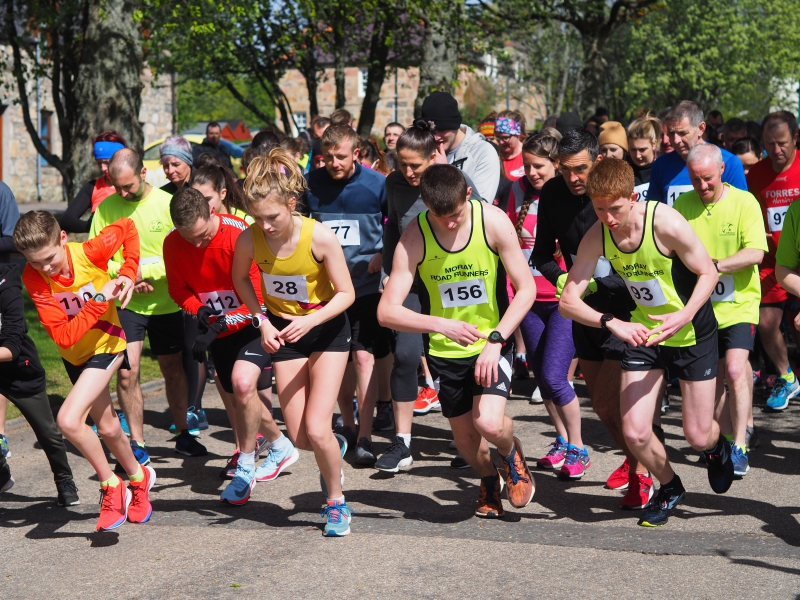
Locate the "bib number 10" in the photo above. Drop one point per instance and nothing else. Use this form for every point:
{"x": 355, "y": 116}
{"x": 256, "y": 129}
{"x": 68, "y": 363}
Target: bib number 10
{"x": 463, "y": 293}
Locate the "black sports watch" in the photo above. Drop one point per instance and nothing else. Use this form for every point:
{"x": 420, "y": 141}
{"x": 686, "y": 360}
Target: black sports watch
{"x": 258, "y": 319}
{"x": 605, "y": 319}
{"x": 496, "y": 337}
{"x": 99, "y": 297}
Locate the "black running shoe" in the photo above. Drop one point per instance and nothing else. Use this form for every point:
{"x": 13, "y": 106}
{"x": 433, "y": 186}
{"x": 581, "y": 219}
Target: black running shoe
{"x": 396, "y": 455}
{"x": 751, "y": 440}
{"x": 6, "y": 480}
{"x": 67, "y": 493}
{"x": 459, "y": 463}
{"x": 364, "y": 453}
{"x": 384, "y": 417}
{"x": 656, "y": 513}
{"x": 188, "y": 445}
{"x": 720, "y": 466}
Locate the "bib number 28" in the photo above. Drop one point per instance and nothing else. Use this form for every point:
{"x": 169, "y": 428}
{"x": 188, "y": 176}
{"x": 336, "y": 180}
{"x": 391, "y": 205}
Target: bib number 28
{"x": 288, "y": 287}
{"x": 463, "y": 293}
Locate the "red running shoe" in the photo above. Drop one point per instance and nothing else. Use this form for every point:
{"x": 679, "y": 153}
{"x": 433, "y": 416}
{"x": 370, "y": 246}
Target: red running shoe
{"x": 640, "y": 490}
{"x": 426, "y": 401}
{"x": 618, "y": 480}
{"x": 114, "y": 503}
{"x": 140, "y": 509}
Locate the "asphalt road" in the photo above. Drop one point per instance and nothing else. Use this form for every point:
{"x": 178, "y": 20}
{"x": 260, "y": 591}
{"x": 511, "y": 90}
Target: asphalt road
{"x": 413, "y": 534}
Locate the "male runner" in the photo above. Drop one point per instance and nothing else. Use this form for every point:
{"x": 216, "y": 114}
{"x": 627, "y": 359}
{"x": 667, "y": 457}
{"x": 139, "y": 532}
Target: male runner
{"x": 461, "y": 250}
{"x": 775, "y": 182}
{"x": 198, "y": 256}
{"x": 669, "y": 177}
{"x": 565, "y": 215}
{"x": 728, "y": 222}
{"x": 151, "y": 311}
{"x": 670, "y": 276}
{"x": 351, "y": 200}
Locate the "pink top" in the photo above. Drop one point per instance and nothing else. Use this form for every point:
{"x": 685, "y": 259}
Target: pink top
{"x": 545, "y": 291}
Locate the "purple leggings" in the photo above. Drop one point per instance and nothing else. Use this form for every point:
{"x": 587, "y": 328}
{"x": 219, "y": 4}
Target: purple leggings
{"x": 547, "y": 334}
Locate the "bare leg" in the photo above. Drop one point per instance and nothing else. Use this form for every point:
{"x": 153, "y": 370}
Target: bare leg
{"x": 176, "y": 389}
{"x": 130, "y": 394}
{"x": 345, "y": 399}
{"x": 230, "y": 409}
{"x": 403, "y": 415}
{"x": 366, "y": 391}
{"x": 3, "y": 410}
{"x": 383, "y": 371}
{"x": 555, "y": 417}
{"x": 250, "y": 411}
{"x": 570, "y": 416}
{"x": 471, "y": 445}
{"x": 769, "y": 329}
{"x": 491, "y": 421}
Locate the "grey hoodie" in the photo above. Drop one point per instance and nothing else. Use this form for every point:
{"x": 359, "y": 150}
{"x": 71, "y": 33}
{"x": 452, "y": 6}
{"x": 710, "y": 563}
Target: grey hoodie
{"x": 479, "y": 160}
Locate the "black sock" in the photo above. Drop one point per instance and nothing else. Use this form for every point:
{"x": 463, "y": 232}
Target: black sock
{"x": 674, "y": 485}
{"x": 489, "y": 480}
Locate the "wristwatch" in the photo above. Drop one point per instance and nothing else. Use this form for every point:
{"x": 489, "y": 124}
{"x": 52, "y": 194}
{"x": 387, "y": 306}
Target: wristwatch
{"x": 605, "y": 319}
{"x": 258, "y": 319}
{"x": 99, "y": 297}
{"x": 716, "y": 264}
{"x": 496, "y": 337}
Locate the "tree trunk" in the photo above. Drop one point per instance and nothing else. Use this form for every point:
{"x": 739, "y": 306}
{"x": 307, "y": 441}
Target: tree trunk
{"x": 339, "y": 60}
{"x": 108, "y": 87}
{"x": 311, "y": 86}
{"x": 376, "y": 71}
{"x": 594, "y": 69}
{"x": 562, "y": 90}
{"x": 439, "y": 67}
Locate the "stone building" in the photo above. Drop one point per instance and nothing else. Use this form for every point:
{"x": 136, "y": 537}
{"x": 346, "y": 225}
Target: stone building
{"x": 18, "y": 156}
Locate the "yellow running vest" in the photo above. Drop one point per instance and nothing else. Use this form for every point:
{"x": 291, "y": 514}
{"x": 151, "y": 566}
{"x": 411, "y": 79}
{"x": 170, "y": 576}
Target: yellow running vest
{"x": 105, "y": 336}
{"x": 461, "y": 285}
{"x": 296, "y": 284}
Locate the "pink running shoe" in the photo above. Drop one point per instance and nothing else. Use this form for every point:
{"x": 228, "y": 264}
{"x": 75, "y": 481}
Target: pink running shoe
{"x": 555, "y": 457}
{"x": 575, "y": 463}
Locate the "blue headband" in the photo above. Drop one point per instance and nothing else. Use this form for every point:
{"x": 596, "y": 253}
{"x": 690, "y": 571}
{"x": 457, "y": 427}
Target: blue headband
{"x": 105, "y": 150}
{"x": 177, "y": 152}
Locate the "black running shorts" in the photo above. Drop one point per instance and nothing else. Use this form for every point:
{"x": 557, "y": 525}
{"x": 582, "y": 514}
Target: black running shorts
{"x": 331, "y": 336}
{"x": 740, "y": 335}
{"x": 244, "y": 345}
{"x": 595, "y": 344}
{"x": 99, "y": 361}
{"x": 690, "y": 363}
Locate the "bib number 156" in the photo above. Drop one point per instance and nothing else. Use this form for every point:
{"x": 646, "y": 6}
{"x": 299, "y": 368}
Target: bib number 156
{"x": 463, "y": 293}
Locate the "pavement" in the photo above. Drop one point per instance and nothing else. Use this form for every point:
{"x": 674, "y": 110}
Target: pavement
{"x": 414, "y": 533}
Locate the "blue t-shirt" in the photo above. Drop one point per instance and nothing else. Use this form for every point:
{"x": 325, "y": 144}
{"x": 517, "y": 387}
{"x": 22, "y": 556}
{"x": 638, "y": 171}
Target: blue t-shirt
{"x": 670, "y": 177}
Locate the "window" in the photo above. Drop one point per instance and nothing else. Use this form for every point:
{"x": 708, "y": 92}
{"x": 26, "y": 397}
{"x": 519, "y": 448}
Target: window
{"x": 45, "y": 134}
{"x": 362, "y": 82}
{"x": 301, "y": 121}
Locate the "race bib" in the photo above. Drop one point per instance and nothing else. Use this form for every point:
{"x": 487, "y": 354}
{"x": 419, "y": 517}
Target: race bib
{"x": 346, "y": 232}
{"x": 72, "y": 302}
{"x": 723, "y": 291}
{"x": 528, "y": 252}
{"x": 641, "y": 189}
{"x": 776, "y": 216}
{"x": 646, "y": 293}
{"x": 222, "y": 300}
{"x": 288, "y": 287}
{"x": 463, "y": 293}
{"x": 676, "y": 190}
{"x": 603, "y": 268}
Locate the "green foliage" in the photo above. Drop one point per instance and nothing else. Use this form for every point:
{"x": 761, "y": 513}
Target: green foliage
{"x": 209, "y": 100}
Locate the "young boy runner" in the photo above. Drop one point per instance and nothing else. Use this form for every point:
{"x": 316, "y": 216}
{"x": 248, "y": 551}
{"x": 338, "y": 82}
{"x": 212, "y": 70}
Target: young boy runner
{"x": 22, "y": 381}
{"x": 198, "y": 257}
{"x": 461, "y": 250}
{"x": 670, "y": 276}
{"x": 74, "y": 296}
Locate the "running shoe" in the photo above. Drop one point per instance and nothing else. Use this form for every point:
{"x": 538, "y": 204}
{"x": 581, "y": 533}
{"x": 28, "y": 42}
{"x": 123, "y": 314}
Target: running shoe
{"x": 6, "y": 480}
{"x": 211, "y": 373}
{"x": 751, "y": 440}
{"x": 555, "y": 457}
{"x": 490, "y": 502}
{"x": 192, "y": 422}
{"x": 67, "y": 493}
{"x": 237, "y": 492}
{"x": 769, "y": 381}
{"x": 123, "y": 422}
{"x": 520, "y": 486}
{"x": 618, "y": 480}
{"x": 640, "y": 491}
{"x": 140, "y": 508}
{"x": 202, "y": 419}
{"x": 277, "y": 462}
{"x": 459, "y": 462}
{"x": 395, "y": 456}
{"x": 427, "y": 400}
{"x": 114, "y": 502}
{"x": 756, "y": 377}
{"x": 536, "y": 396}
{"x": 188, "y": 446}
{"x": 140, "y": 453}
{"x": 521, "y": 368}
{"x": 4, "y": 450}
{"x": 364, "y": 453}
{"x": 720, "y": 466}
{"x": 262, "y": 445}
{"x": 337, "y": 517}
{"x": 575, "y": 463}
{"x": 657, "y": 511}
{"x": 349, "y": 435}
{"x": 229, "y": 470}
{"x": 342, "y": 449}
{"x": 384, "y": 417}
{"x": 665, "y": 403}
{"x": 781, "y": 394}
{"x": 741, "y": 464}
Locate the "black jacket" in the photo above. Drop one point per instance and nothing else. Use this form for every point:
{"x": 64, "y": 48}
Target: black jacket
{"x": 218, "y": 149}
{"x": 23, "y": 375}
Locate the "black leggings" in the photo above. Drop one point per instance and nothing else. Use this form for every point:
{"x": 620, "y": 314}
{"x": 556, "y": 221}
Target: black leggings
{"x": 408, "y": 350}
{"x": 36, "y": 410}
{"x": 190, "y": 366}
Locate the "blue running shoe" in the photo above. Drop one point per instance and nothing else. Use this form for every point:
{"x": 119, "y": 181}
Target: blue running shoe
{"x": 657, "y": 511}
{"x": 237, "y": 492}
{"x": 276, "y": 462}
{"x": 337, "y": 516}
{"x": 187, "y": 445}
{"x": 342, "y": 448}
{"x": 781, "y": 394}
{"x": 202, "y": 419}
{"x": 192, "y": 423}
{"x": 123, "y": 422}
{"x": 741, "y": 465}
{"x": 4, "y": 446}
{"x": 140, "y": 453}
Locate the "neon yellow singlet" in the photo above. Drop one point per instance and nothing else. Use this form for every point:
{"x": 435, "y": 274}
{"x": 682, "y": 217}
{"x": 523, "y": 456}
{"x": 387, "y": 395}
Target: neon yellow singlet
{"x": 296, "y": 284}
{"x": 461, "y": 285}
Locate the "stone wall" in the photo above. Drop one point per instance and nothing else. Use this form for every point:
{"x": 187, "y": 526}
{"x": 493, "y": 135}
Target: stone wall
{"x": 155, "y": 114}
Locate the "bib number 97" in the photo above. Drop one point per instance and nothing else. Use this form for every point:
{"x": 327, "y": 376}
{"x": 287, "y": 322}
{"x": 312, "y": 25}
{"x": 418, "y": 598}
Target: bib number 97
{"x": 776, "y": 216}
{"x": 463, "y": 293}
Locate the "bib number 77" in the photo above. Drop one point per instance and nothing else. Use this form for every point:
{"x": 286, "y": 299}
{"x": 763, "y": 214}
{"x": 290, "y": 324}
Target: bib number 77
{"x": 468, "y": 292}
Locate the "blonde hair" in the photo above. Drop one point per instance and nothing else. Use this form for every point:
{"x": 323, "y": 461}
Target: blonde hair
{"x": 646, "y": 127}
{"x": 275, "y": 174}
{"x": 36, "y": 229}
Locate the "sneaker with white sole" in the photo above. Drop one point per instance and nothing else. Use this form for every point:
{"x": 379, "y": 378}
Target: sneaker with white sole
{"x": 277, "y": 462}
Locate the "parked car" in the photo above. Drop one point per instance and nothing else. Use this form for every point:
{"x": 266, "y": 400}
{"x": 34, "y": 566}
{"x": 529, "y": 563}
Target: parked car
{"x": 155, "y": 173}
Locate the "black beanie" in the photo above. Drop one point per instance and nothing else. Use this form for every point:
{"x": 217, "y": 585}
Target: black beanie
{"x": 442, "y": 109}
{"x": 568, "y": 121}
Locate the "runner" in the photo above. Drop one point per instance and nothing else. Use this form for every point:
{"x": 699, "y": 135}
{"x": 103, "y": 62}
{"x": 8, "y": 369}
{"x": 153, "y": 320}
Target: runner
{"x": 671, "y": 277}
{"x": 775, "y": 182}
{"x": 545, "y": 331}
{"x": 669, "y": 177}
{"x": 727, "y": 221}
{"x": 198, "y": 255}
{"x": 613, "y": 140}
{"x": 509, "y": 133}
{"x": 177, "y": 161}
{"x": 460, "y": 249}
{"x": 307, "y": 289}
{"x": 73, "y": 292}
{"x": 565, "y": 215}
{"x": 643, "y": 139}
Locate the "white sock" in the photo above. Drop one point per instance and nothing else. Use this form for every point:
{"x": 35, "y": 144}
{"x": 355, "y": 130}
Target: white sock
{"x": 520, "y": 355}
{"x": 280, "y": 443}
{"x": 406, "y": 437}
{"x": 340, "y": 499}
{"x": 248, "y": 461}
{"x": 429, "y": 381}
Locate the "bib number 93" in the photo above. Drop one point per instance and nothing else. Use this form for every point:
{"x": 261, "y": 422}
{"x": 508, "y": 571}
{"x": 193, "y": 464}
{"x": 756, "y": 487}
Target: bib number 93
{"x": 646, "y": 293}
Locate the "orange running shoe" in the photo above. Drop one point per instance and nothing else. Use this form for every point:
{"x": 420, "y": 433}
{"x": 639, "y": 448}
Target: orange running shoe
{"x": 490, "y": 504}
{"x": 520, "y": 486}
{"x": 140, "y": 509}
{"x": 114, "y": 503}
{"x": 426, "y": 401}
